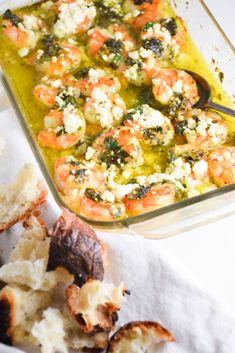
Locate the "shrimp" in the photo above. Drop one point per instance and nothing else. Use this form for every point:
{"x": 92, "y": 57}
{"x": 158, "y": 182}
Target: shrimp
{"x": 140, "y": 12}
{"x": 140, "y": 66}
{"x": 167, "y": 35}
{"x": 97, "y": 78}
{"x": 104, "y": 110}
{"x": 117, "y": 147}
{"x": 55, "y": 59}
{"x": 202, "y": 128}
{"x": 168, "y": 82}
{"x": 100, "y": 206}
{"x": 146, "y": 198}
{"x": 74, "y": 17}
{"x": 48, "y": 91}
{"x": 62, "y": 128}
{"x": 24, "y": 31}
{"x": 221, "y": 162}
{"x": 71, "y": 173}
{"x": 150, "y": 125}
{"x": 110, "y": 45}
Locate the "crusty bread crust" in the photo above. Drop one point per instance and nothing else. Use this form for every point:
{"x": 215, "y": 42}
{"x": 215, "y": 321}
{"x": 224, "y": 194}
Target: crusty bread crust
{"x": 7, "y": 309}
{"x": 75, "y": 246}
{"x": 25, "y": 215}
{"x": 144, "y": 326}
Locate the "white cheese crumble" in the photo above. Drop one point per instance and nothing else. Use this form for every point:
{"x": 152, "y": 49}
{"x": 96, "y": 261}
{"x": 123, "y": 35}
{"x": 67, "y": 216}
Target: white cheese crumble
{"x": 73, "y": 119}
{"x": 89, "y": 153}
{"x": 72, "y": 16}
{"x": 148, "y": 117}
{"x": 102, "y": 109}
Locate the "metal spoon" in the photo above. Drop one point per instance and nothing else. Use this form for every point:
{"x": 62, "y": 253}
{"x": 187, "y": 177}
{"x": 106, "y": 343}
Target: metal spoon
{"x": 205, "y": 95}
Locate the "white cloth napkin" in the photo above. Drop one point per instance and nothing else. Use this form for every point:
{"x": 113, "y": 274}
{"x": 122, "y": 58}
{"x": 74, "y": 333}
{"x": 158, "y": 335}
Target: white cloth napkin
{"x": 161, "y": 289}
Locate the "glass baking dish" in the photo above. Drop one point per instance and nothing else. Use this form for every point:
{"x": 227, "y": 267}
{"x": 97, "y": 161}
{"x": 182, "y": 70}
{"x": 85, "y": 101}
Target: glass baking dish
{"x": 219, "y": 54}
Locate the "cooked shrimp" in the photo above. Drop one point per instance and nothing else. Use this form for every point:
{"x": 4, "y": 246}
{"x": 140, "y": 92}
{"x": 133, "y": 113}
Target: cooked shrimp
{"x": 168, "y": 82}
{"x": 51, "y": 89}
{"x": 24, "y": 31}
{"x": 100, "y": 206}
{"x": 146, "y": 198}
{"x": 104, "y": 110}
{"x": 150, "y": 125}
{"x": 110, "y": 45}
{"x": 74, "y": 17}
{"x": 221, "y": 162}
{"x": 117, "y": 147}
{"x": 140, "y": 12}
{"x": 167, "y": 36}
{"x": 140, "y": 66}
{"x": 98, "y": 78}
{"x": 202, "y": 128}
{"x": 62, "y": 128}
{"x": 71, "y": 173}
{"x": 55, "y": 59}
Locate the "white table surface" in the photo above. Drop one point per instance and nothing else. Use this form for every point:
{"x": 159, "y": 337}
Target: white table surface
{"x": 208, "y": 251}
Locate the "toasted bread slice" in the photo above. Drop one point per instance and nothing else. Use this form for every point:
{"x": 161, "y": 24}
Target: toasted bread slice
{"x": 75, "y": 246}
{"x": 95, "y": 305}
{"x": 20, "y": 198}
{"x": 138, "y": 336}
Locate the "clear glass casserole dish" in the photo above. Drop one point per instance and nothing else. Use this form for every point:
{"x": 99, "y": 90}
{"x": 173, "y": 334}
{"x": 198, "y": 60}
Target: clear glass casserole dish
{"x": 219, "y": 54}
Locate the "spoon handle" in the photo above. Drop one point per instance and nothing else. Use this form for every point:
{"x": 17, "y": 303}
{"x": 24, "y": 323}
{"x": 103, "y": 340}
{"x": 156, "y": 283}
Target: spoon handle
{"x": 221, "y": 108}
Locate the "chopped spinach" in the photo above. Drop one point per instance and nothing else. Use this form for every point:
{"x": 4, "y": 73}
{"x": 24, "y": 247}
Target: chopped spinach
{"x": 93, "y": 195}
{"x": 155, "y": 45}
{"x": 13, "y": 18}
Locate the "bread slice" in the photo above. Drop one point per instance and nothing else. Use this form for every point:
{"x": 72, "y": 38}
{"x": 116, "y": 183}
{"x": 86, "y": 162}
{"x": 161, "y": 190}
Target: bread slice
{"x": 76, "y": 247}
{"x": 139, "y": 336}
{"x": 28, "y": 261}
{"x": 95, "y": 305}
{"x": 20, "y": 308}
{"x": 20, "y": 198}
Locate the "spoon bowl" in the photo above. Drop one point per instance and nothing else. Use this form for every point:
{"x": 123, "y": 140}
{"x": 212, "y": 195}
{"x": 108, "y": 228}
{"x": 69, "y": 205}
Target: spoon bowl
{"x": 205, "y": 96}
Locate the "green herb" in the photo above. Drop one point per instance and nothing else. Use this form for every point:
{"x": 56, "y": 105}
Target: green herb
{"x": 111, "y": 143}
{"x": 155, "y": 45}
{"x": 151, "y": 132}
{"x": 140, "y": 192}
{"x": 82, "y": 73}
{"x": 50, "y": 48}
{"x": 93, "y": 195}
{"x": 170, "y": 24}
{"x": 60, "y": 130}
{"x": 79, "y": 174}
{"x": 180, "y": 126}
{"x": 116, "y": 59}
{"x": 115, "y": 45}
{"x": 114, "y": 153}
{"x": 148, "y": 25}
{"x": 177, "y": 103}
